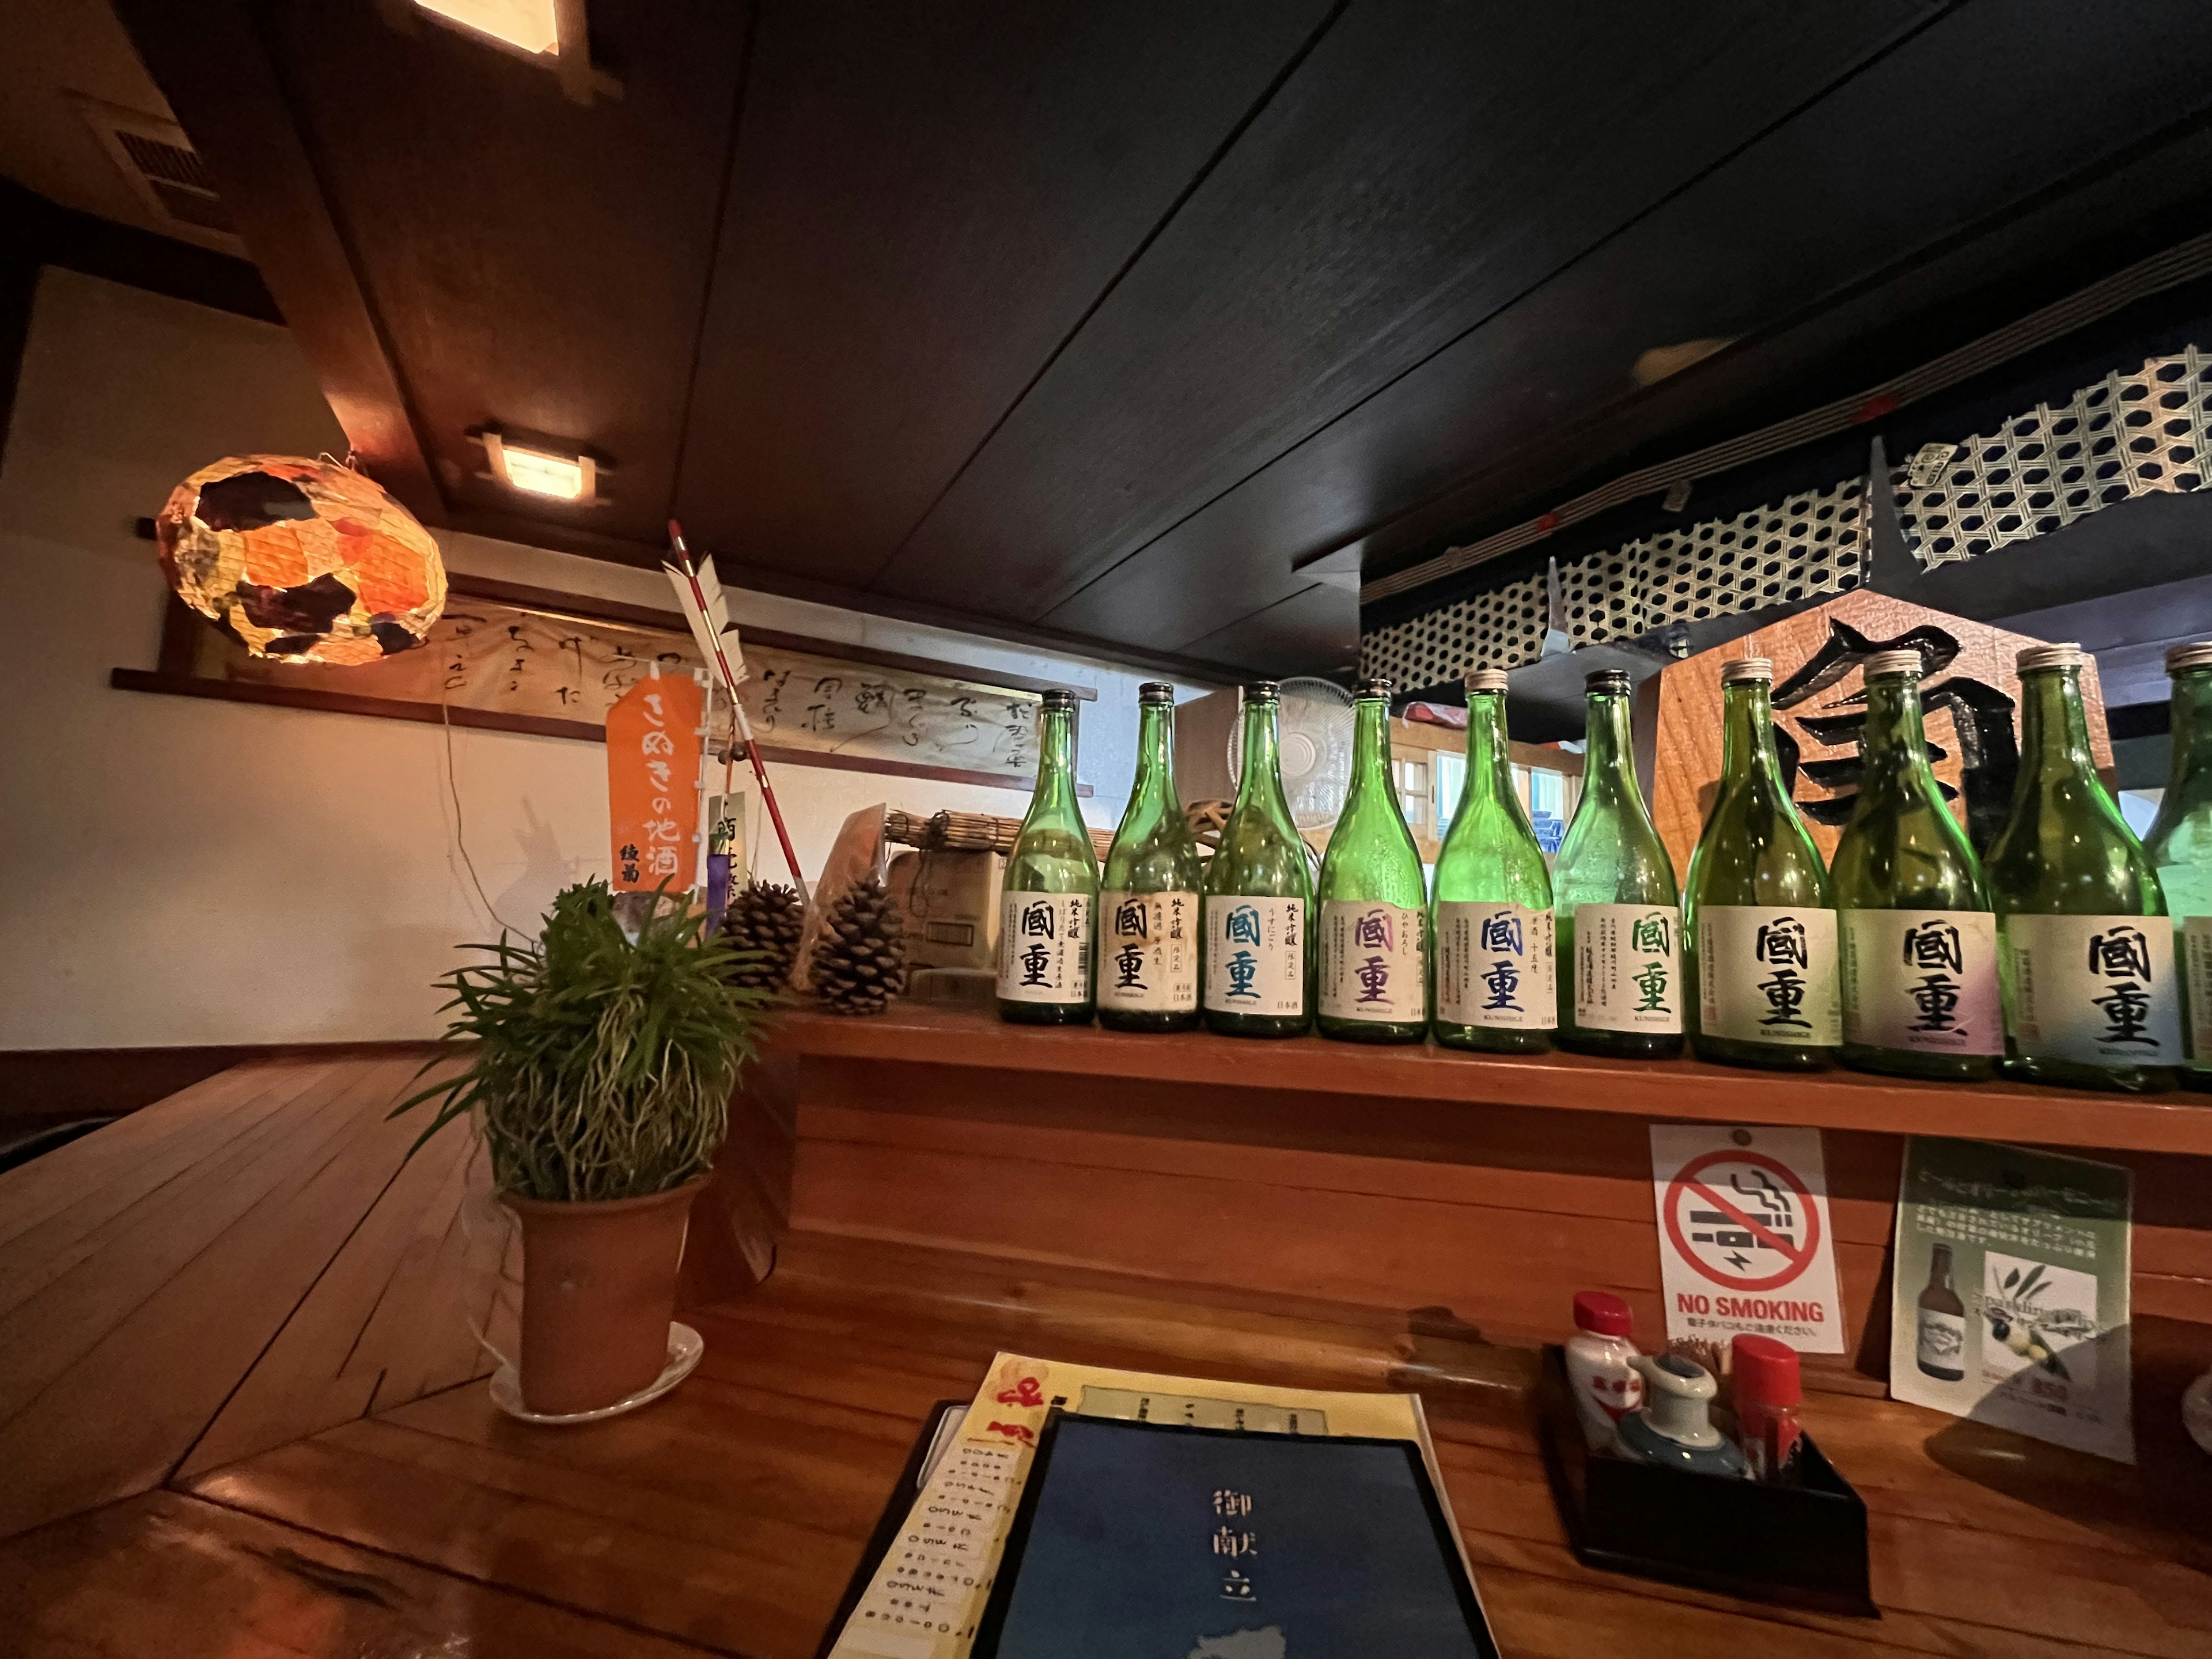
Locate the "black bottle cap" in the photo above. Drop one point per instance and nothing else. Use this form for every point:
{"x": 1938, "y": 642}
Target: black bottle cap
{"x": 1060, "y": 697}
{"x": 1155, "y": 691}
{"x": 1263, "y": 691}
{"x": 1373, "y": 689}
{"x": 1608, "y": 681}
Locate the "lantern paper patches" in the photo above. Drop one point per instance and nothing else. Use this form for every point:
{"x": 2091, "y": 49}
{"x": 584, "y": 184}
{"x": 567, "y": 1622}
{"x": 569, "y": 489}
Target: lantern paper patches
{"x": 304, "y": 560}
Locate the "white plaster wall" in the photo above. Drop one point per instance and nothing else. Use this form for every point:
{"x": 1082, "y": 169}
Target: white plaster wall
{"x": 180, "y": 871}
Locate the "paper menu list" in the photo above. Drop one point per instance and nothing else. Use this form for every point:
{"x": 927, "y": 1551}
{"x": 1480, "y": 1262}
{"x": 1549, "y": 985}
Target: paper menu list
{"x": 932, "y": 1582}
{"x": 926, "y": 1599}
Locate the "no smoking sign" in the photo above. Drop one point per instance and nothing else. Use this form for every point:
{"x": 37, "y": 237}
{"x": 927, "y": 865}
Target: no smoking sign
{"x": 1744, "y": 1239}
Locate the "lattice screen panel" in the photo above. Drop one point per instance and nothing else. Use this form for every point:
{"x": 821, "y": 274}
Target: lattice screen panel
{"x": 1502, "y": 628}
{"x": 2126, "y": 435}
{"x": 1809, "y": 545}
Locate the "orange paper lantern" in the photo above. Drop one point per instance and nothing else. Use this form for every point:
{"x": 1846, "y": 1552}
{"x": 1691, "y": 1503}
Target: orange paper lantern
{"x": 300, "y": 560}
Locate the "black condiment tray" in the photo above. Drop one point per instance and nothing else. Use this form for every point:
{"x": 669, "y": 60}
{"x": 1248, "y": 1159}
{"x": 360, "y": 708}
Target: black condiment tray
{"x": 1802, "y": 1545}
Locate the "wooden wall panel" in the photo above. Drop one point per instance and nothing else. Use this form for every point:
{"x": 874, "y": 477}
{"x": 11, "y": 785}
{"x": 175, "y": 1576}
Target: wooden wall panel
{"x": 1496, "y": 1214}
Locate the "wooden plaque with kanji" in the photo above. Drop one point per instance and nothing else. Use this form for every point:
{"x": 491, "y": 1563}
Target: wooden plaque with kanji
{"x": 1969, "y": 692}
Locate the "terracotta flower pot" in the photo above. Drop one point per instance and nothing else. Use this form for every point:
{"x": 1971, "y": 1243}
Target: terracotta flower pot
{"x": 598, "y": 1289}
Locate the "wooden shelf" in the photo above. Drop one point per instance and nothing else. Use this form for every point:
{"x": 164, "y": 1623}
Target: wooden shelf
{"x": 2179, "y": 1122}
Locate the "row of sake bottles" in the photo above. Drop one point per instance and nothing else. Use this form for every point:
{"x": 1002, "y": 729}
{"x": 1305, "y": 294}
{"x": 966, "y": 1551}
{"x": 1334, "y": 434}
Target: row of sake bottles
{"x": 1908, "y": 955}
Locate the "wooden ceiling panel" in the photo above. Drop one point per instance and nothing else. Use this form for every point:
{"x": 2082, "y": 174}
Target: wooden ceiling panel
{"x": 1315, "y": 630}
{"x": 1422, "y": 168}
{"x": 924, "y": 202}
{"x": 1783, "y": 227}
{"x": 528, "y": 259}
{"x": 1121, "y": 324}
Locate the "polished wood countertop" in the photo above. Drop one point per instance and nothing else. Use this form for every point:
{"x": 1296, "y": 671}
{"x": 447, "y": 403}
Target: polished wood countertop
{"x": 726, "y": 1518}
{"x": 239, "y": 1374}
{"x": 2177, "y": 1122}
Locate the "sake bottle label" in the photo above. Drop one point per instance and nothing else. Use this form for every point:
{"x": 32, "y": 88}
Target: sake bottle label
{"x": 1148, "y": 952}
{"x": 1628, "y": 968}
{"x": 1494, "y": 966}
{"x": 1924, "y": 982}
{"x": 1044, "y": 947}
{"x": 2095, "y": 990}
{"x": 1256, "y": 955}
{"x": 2196, "y": 964}
{"x": 1768, "y": 974}
{"x": 1371, "y": 965}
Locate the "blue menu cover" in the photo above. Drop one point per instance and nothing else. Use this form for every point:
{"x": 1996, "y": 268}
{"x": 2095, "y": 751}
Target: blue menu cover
{"x": 1150, "y": 1540}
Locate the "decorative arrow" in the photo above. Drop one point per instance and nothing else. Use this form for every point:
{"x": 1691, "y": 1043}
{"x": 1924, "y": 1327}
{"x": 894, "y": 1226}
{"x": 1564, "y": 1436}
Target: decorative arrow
{"x": 705, "y": 607}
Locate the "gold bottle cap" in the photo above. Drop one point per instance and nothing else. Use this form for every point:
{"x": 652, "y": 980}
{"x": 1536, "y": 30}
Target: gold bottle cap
{"x": 2068, "y": 655}
{"x": 2183, "y": 658}
{"x": 1895, "y": 662}
{"x": 1746, "y": 670}
{"x": 1493, "y": 680}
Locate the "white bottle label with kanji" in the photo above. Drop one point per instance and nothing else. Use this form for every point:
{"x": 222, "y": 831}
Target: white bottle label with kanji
{"x": 2196, "y": 964}
{"x": 1628, "y": 969}
{"x": 1922, "y": 981}
{"x": 1495, "y": 966}
{"x": 1372, "y": 965}
{"x": 1256, "y": 955}
{"x": 1044, "y": 947}
{"x": 1148, "y": 952}
{"x": 1766, "y": 973}
{"x": 2095, "y": 990}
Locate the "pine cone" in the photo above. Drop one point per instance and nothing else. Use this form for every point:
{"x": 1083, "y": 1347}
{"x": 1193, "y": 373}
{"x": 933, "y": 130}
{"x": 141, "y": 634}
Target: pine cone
{"x": 860, "y": 960}
{"x": 765, "y": 917}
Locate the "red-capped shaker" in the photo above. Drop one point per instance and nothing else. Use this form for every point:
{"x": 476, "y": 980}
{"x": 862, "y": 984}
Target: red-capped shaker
{"x": 1768, "y": 1388}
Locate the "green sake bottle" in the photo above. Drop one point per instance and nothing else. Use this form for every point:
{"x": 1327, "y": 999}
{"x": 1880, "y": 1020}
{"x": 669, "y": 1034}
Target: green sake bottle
{"x": 1757, "y": 916}
{"x": 1257, "y": 976}
{"x": 1918, "y": 939}
{"x": 1046, "y": 910}
{"x": 1491, "y": 920}
{"x": 1372, "y": 944}
{"x": 1148, "y": 901}
{"x": 2179, "y": 846}
{"x": 1618, "y": 908}
{"x": 2085, "y": 951}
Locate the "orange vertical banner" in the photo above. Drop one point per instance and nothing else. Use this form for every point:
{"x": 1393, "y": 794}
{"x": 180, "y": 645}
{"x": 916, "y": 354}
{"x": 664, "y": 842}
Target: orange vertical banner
{"x": 652, "y": 783}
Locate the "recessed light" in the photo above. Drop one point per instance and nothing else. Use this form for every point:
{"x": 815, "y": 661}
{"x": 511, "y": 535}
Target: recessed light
{"x": 529, "y": 26}
{"x": 539, "y": 470}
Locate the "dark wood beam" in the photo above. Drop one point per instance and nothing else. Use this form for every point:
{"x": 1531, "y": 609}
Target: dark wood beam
{"x": 210, "y": 64}
{"x": 736, "y": 573}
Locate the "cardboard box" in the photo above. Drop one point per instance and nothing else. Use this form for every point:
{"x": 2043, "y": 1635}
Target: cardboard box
{"x": 949, "y": 903}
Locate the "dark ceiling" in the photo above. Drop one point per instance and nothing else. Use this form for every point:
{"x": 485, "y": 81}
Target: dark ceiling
{"x": 1149, "y": 324}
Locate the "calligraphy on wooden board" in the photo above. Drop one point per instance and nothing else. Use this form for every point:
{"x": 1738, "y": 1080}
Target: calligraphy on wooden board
{"x": 1969, "y": 696}
{"x": 511, "y": 658}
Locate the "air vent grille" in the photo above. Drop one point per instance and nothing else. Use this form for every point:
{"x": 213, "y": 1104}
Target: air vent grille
{"x": 169, "y": 162}
{"x": 160, "y": 165}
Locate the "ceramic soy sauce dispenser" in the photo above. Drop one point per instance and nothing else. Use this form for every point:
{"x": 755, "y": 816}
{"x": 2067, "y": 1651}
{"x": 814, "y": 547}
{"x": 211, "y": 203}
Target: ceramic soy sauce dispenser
{"x": 1674, "y": 1427}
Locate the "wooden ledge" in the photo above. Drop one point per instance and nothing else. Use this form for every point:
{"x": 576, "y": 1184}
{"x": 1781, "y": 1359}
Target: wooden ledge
{"x": 2180, "y": 1122}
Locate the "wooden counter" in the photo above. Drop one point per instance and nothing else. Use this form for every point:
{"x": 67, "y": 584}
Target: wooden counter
{"x": 241, "y": 1306}
{"x": 1686, "y": 1089}
{"x": 1396, "y": 1178}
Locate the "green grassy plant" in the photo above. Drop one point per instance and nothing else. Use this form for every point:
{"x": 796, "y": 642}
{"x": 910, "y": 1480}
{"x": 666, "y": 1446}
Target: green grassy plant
{"x": 602, "y": 1067}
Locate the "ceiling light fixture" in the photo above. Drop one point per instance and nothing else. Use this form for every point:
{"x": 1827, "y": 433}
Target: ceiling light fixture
{"x": 538, "y": 468}
{"x": 531, "y": 26}
{"x": 553, "y": 34}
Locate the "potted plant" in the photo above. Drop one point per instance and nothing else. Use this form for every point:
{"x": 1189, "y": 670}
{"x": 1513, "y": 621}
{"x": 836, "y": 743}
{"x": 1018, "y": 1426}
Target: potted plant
{"x": 600, "y": 1081}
